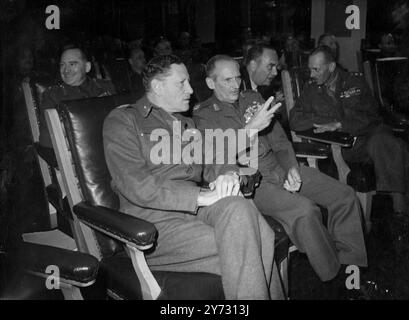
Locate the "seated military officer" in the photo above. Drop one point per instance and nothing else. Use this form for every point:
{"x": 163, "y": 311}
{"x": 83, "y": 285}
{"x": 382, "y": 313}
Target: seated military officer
{"x": 75, "y": 84}
{"x": 216, "y": 230}
{"x": 338, "y": 100}
{"x": 288, "y": 192}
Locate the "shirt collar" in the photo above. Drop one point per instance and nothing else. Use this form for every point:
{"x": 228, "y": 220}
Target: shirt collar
{"x": 253, "y": 85}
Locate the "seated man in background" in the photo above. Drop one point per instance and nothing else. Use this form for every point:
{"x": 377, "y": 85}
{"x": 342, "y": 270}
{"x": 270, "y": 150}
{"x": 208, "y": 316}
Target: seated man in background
{"x": 137, "y": 62}
{"x": 74, "y": 66}
{"x": 260, "y": 74}
{"x": 338, "y": 100}
{"x": 288, "y": 192}
{"x": 216, "y": 230}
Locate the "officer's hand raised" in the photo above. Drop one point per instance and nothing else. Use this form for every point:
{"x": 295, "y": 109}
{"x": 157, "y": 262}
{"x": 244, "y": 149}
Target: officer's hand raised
{"x": 263, "y": 116}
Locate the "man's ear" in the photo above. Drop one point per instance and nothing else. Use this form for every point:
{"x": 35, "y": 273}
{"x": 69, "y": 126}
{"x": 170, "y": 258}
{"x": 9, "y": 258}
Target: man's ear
{"x": 156, "y": 86}
{"x": 252, "y": 65}
{"x": 332, "y": 66}
{"x": 210, "y": 83}
{"x": 87, "y": 66}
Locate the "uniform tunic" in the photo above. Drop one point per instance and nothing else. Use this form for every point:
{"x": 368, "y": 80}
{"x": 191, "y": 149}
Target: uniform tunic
{"x": 342, "y": 242}
{"x": 351, "y": 103}
{"x": 229, "y": 238}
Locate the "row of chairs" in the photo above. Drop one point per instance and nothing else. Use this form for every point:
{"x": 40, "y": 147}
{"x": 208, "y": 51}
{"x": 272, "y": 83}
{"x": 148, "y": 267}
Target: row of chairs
{"x": 105, "y": 243}
{"x": 97, "y": 230}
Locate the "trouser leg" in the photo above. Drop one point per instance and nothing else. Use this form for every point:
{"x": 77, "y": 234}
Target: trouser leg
{"x": 302, "y": 221}
{"x": 344, "y": 214}
{"x": 184, "y": 244}
{"x": 229, "y": 238}
{"x": 245, "y": 244}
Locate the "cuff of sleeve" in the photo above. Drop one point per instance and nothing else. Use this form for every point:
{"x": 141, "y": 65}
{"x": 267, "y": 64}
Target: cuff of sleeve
{"x": 188, "y": 202}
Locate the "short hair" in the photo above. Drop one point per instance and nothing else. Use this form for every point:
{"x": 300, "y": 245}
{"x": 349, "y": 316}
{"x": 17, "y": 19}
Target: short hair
{"x": 158, "y": 67}
{"x": 256, "y": 52}
{"x": 211, "y": 64}
{"x": 321, "y": 38}
{"x": 83, "y": 52}
{"x": 326, "y": 51}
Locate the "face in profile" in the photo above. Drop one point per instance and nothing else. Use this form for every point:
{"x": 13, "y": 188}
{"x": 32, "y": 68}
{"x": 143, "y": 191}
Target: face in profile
{"x": 73, "y": 67}
{"x": 175, "y": 90}
{"x": 320, "y": 69}
{"x": 264, "y": 69}
{"x": 225, "y": 81}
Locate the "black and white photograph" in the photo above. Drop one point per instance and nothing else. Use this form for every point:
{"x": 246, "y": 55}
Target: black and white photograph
{"x": 204, "y": 153}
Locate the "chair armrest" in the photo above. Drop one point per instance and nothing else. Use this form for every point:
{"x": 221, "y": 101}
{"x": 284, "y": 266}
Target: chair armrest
{"x": 121, "y": 226}
{"x": 74, "y": 267}
{"x": 340, "y": 138}
{"x": 311, "y": 150}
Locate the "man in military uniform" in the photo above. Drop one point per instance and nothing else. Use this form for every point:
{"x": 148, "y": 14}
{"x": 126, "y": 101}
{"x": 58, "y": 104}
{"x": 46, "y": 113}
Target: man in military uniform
{"x": 287, "y": 192}
{"x": 337, "y": 100}
{"x": 216, "y": 230}
{"x": 75, "y": 84}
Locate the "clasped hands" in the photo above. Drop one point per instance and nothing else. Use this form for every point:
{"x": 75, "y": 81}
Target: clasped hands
{"x": 332, "y": 126}
{"x": 224, "y": 186}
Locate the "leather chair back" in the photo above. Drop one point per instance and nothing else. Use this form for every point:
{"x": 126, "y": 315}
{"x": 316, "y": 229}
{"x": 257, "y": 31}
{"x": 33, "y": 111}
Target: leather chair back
{"x": 83, "y": 122}
{"x": 389, "y": 72}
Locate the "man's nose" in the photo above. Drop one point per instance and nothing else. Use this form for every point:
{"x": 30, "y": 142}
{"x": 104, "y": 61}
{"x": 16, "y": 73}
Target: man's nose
{"x": 188, "y": 88}
{"x": 236, "y": 83}
{"x": 274, "y": 71}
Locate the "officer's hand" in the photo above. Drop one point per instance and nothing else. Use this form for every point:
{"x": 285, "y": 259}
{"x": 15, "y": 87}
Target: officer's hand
{"x": 226, "y": 185}
{"x": 293, "y": 182}
{"x": 332, "y": 126}
{"x": 207, "y": 198}
{"x": 263, "y": 116}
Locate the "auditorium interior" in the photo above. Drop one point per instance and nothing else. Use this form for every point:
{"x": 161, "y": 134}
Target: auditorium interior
{"x": 53, "y": 200}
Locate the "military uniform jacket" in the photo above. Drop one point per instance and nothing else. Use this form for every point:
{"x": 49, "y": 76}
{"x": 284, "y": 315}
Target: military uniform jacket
{"x": 143, "y": 185}
{"x": 351, "y": 104}
{"x": 275, "y": 152}
{"x": 52, "y": 96}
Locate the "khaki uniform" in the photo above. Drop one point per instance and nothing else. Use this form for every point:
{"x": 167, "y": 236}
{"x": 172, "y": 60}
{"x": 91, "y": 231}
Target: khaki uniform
{"x": 350, "y": 102}
{"x": 342, "y": 241}
{"x": 229, "y": 238}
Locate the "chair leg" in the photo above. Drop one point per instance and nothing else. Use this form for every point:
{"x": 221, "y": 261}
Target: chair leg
{"x": 366, "y": 203}
{"x": 312, "y": 162}
{"x": 342, "y": 167}
{"x": 149, "y": 286}
{"x": 284, "y": 275}
{"x": 70, "y": 292}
